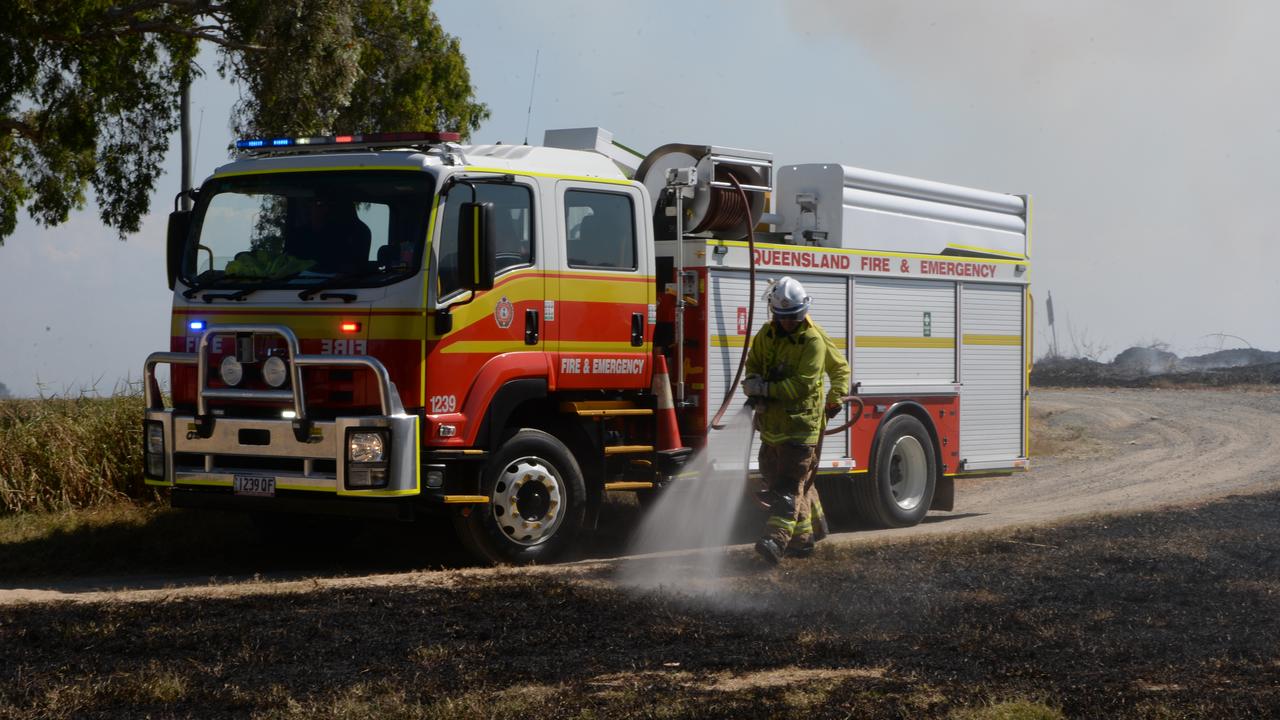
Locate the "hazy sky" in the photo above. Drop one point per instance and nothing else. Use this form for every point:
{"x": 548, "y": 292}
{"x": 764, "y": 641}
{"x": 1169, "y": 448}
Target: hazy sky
{"x": 1148, "y": 134}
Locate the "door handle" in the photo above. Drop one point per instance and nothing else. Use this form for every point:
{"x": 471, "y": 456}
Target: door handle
{"x": 637, "y": 329}
{"x": 530, "y": 327}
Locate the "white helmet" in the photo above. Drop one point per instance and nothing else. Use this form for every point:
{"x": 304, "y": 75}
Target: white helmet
{"x": 787, "y": 299}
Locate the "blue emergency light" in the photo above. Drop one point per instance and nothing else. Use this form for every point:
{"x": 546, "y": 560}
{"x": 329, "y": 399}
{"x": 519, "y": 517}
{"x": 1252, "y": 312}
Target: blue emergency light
{"x": 197, "y": 325}
{"x": 391, "y": 138}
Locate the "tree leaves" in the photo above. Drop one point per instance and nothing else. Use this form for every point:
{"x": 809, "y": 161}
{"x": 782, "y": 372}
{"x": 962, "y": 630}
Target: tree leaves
{"x": 89, "y": 90}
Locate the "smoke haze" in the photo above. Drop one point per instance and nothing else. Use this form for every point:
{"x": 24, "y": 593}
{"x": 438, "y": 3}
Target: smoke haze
{"x": 1146, "y": 133}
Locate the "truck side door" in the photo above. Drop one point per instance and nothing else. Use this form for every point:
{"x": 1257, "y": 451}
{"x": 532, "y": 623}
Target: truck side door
{"x": 605, "y": 298}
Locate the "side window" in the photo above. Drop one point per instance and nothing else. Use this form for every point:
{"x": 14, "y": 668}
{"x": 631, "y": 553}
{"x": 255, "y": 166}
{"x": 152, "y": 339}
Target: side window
{"x": 601, "y": 229}
{"x": 513, "y": 230}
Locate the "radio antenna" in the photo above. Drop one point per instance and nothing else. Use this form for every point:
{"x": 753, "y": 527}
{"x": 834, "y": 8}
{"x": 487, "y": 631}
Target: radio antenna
{"x": 532, "y": 84}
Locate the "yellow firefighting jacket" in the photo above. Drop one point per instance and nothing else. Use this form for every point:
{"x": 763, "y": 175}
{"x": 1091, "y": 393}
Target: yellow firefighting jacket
{"x": 793, "y": 364}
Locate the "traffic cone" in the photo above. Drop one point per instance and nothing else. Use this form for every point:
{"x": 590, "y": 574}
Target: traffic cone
{"x": 668, "y": 425}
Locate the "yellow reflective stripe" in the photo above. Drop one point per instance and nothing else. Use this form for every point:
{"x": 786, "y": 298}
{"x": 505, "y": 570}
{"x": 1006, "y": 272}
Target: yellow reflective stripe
{"x": 487, "y": 347}
{"x": 1002, "y": 253}
{"x": 206, "y": 483}
{"x": 740, "y": 340}
{"x": 889, "y": 341}
{"x": 465, "y": 499}
{"x": 530, "y": 173}
{"x": 377, "y": 493}
{"x": 598, "y": 346}
{"x": 777, "y": 521}
{"x": 326, "y": 168}
{"x": 500, "y": 346}
{"x": 309, "y": 488}
{"x": 1013, "y": 340}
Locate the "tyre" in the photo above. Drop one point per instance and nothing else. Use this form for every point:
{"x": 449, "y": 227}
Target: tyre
{"x": 537, "y": 502}
{"x": 899, "y": 489}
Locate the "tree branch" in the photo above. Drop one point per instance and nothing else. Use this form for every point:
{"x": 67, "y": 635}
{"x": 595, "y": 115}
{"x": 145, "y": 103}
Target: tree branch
{"x": 27, "y": 130}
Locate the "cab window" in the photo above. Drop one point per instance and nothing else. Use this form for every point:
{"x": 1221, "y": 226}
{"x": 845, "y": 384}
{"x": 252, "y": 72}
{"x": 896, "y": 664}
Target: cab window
{"x": 601, "y": 228}
{"x": 513, "y": 230}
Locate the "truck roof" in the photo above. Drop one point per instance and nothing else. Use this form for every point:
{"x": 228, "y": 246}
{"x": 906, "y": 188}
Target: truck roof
{"x": 515, "y": 158}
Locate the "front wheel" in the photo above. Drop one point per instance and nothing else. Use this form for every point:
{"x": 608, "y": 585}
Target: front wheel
{"x": 899, "y": 489}
{"x": 537, "y": 502}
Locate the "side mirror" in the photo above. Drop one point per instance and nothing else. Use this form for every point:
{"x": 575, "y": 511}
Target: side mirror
{"x": 179, "y": 227}
{"x": 475, "y": 245}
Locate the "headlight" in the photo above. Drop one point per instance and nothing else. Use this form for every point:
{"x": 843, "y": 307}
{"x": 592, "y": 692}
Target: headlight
{"x": 275, "y": 371}
{"x": 231, "y": 371}
{"x": 365, "y": 447}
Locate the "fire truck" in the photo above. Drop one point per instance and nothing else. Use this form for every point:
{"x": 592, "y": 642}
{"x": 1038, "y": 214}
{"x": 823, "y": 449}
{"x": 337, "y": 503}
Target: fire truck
{"x": 402, "y": 326}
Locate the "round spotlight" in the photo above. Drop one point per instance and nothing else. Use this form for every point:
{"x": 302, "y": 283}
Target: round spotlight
{"x": 231, "y": 371}
{"x": 274, "y": 371}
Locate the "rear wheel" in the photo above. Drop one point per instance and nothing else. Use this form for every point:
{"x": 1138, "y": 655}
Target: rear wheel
{"x": 537, "y": 502}
{"x": 899, "y": 489}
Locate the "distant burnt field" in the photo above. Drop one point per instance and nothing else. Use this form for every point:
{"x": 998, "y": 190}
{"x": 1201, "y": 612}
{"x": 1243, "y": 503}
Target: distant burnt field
{"x": 1153, "y": 367}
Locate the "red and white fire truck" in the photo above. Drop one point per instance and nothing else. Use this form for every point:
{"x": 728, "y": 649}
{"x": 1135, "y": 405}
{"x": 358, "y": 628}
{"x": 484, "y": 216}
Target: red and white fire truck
{"x": 399, "y": 325}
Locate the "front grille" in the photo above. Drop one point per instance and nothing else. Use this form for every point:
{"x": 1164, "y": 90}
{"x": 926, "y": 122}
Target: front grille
{"x": 194, "y": 463}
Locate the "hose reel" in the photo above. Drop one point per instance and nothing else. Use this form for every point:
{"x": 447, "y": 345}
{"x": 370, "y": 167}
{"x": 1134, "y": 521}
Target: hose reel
{"x": 716, "y": 207}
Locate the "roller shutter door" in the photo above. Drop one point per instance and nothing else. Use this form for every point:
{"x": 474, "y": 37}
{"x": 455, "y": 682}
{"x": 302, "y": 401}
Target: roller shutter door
{"x": 727, "y": 292}
{"x": 991, "y": 370}
{"x": 906, "y": 331}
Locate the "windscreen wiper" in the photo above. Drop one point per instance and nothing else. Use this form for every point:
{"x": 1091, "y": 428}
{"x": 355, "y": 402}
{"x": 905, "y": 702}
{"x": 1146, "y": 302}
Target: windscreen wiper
{"x": 336, "y": 282}
{"x": 238, "y": 295}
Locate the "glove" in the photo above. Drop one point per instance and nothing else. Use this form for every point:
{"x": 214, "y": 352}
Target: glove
{"x": 833, "y": 409}
{"x": 755, "y": 386}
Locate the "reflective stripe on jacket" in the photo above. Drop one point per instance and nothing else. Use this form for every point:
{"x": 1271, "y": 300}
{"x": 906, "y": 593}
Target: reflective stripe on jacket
{"x": 793, "y": 364}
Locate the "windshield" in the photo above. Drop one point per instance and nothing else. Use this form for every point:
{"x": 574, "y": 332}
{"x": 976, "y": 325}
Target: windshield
{"x": 303, "y": 228}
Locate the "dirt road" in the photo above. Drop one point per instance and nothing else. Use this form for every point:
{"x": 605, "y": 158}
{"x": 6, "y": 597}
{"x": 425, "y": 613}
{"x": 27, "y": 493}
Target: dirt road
{"x": 1100, "y": 450}
{"x": 1118, "y": 450}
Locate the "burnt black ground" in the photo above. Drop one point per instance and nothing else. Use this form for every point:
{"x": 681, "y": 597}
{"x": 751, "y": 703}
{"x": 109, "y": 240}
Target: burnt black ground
{"x": 1157, "y": 614}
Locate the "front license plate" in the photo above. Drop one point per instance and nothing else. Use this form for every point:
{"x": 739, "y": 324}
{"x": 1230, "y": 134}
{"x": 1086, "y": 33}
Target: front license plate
{"x": 256, "y": 485}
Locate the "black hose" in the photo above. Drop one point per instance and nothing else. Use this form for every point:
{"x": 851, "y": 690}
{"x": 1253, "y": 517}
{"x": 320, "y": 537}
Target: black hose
{"x": 751, "y": 307}
{"x": 856, "y": 416}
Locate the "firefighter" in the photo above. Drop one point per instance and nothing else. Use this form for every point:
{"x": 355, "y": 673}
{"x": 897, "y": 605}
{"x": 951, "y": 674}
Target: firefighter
{"x": 785, "y": 365}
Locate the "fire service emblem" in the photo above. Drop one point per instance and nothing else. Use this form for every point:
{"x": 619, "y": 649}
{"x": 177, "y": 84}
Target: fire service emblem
{"x": 504, "y": 313}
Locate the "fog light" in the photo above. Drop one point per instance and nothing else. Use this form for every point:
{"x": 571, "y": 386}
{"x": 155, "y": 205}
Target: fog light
{"x": 365, "y": 447}
{"x": 275, "y": 371}
{"x": 367, "y": 477}
{"x": 231, "y": 371}
{"x": 435, "y": 478}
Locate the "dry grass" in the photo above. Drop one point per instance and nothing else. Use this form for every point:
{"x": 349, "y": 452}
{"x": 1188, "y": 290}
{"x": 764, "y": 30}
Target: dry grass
{"x": 1100, "y": 618}
{"x": 62, "y": 453}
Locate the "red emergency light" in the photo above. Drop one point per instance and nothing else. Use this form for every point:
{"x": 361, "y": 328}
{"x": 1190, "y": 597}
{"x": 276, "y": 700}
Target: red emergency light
{"x": 350, "y": 327}
{"x": 388, "y": 138}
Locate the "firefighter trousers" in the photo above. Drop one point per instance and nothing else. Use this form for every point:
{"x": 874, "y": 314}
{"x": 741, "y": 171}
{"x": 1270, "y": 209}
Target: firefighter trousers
{"x": 796, "y": 520}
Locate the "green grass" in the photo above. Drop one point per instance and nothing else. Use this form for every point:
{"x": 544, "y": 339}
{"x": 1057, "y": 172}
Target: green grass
{"x": 62, "y": 453}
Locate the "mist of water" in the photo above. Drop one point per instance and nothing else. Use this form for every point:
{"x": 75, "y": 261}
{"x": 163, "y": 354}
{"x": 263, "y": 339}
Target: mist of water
{"x": 701, "y": 509}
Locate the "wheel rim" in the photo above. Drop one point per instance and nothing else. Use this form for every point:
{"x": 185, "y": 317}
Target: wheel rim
{"x": 908, "y": 472}
{"x": 528, "y": 501}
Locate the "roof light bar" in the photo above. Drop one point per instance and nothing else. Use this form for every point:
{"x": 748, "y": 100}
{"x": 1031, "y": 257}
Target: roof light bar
{"x": 257, "y": 145}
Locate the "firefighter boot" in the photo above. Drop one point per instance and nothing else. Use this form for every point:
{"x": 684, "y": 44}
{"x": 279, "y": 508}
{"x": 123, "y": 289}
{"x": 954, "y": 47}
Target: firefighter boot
{"x": 802, "y": 550}
{"x": 769, "y": 549}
